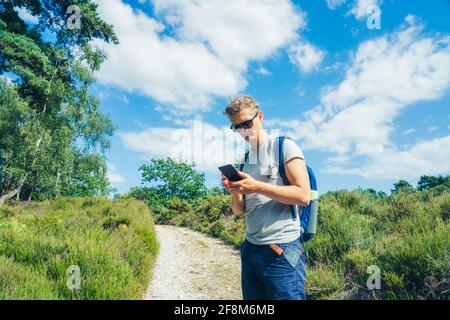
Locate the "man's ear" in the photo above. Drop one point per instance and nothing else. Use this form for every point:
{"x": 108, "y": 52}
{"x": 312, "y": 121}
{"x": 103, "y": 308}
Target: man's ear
{"x": 261, "y": 115}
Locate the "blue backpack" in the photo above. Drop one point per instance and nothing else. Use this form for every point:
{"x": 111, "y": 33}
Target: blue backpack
{"x": 308, "y": 215}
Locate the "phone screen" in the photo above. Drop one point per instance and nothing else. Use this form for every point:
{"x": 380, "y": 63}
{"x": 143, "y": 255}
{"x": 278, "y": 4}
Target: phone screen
{"x": 230, "y": 172}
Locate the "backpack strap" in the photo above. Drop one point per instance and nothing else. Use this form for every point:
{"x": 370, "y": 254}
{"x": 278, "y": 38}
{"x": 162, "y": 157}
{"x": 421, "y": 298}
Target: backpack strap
{"x": 241, "y": 167}
{"x": 282, "y": 172}
{"x": 281, "y": 169}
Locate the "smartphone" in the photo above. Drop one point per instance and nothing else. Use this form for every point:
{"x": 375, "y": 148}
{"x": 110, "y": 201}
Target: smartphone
{"x": 230, "y": 172}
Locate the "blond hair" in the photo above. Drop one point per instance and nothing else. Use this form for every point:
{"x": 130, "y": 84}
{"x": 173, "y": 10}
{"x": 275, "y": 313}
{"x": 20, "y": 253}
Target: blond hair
{"x": 241, "y": 103}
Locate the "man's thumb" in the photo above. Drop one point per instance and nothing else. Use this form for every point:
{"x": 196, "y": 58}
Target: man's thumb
{"x": 243, "y": 174}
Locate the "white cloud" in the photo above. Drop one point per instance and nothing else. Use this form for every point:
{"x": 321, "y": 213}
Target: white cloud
{"x": 113, "y": 176}
{"x": 355, "y": 118}
{"x": 359, "y": 8}
{"x": 263, "y": 71}
{"x": 409, "y": 131}
{"x": 196, "y": 141}
{"x": 236, "y": 30}
{"x": 403, "y": 68}
{"x": 333, "y": 4}
{"x": 26, "y": 16}
{"x": 306, "y": 57}
{"x": 196, "y": 50}
{"x": 425, "y": 158}
{"x": 288, "y": 127}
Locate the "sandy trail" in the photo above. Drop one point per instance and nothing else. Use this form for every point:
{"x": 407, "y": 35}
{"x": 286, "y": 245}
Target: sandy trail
{"x": 191, "y": 266}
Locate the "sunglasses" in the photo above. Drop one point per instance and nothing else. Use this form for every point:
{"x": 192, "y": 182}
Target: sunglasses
{"x": 244, "y": 125}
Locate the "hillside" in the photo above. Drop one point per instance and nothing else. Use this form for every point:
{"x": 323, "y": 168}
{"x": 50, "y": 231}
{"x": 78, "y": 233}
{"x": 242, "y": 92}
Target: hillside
{"x": 76, "y": 248}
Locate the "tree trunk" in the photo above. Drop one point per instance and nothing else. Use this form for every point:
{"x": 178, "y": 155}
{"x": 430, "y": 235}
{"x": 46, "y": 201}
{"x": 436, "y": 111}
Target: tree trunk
{"x": 14, "y": 192}
{"x": 9, "y": 195}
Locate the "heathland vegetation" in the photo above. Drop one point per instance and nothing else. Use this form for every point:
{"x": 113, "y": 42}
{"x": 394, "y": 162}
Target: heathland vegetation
{"x": 76, "y": 248}
{"x": 53, "y": 140}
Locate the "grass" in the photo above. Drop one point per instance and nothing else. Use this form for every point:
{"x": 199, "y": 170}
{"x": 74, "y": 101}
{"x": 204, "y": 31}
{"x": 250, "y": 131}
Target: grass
{"x": 112, "y": 242}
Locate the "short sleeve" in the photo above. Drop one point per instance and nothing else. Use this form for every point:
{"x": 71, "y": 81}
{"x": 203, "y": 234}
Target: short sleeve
{"x": 292, "y": 150}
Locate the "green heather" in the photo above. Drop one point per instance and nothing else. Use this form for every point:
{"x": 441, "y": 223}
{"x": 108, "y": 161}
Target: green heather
{"x": 112, "y": 242}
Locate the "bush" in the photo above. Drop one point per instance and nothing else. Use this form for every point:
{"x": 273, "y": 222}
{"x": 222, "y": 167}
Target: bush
{"x": 112, "y": 242}
{"x": 6, "y": 213}
{"x": 444, "y": 208}
{"x": 22, "y": 282}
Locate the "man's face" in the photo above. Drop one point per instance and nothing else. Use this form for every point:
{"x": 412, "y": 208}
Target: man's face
{"x": 245, "y": 115}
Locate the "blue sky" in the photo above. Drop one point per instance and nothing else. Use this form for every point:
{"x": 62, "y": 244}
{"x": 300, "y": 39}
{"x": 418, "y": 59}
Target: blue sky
{"x": 367, "y": 106}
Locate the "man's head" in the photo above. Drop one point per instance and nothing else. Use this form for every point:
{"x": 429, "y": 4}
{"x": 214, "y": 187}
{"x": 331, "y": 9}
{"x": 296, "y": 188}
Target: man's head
{"x": 246, "y": 117}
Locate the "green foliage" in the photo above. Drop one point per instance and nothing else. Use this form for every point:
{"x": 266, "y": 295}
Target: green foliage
{"x": 430, "y": 182}
{"x": 402, "y": 185}
{"x": 50, "y": 124}
{"x": 19, "y": 281}
{"x": 169, "y": 179}
{"x": 113, "y": 243}
{"x": 217, "y": 190}
{"x": 88, "y": 178}
{"x": 404, "y": 234}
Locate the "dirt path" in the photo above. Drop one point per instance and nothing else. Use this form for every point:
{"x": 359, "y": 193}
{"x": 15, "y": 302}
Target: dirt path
{"x": 193, "y": 266}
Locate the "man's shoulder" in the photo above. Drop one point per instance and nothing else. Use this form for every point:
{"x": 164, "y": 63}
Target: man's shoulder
{"x": 287, "y": 143}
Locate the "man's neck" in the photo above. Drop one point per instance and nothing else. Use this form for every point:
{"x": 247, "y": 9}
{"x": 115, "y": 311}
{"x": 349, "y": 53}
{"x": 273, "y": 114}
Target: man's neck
{"x": 261, "y": 138}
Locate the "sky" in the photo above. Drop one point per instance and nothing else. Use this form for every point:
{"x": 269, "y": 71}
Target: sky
{"x": 362, "y": 86}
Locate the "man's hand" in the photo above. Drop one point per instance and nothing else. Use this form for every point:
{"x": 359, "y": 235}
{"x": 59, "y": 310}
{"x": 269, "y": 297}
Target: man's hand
{"x": 237, "y": 200}
{"x": 226, "y": 185}
{"x": 246, "y": 185}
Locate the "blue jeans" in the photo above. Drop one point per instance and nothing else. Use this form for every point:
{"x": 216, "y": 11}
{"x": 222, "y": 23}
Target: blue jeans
{"x": 267, "y": 275}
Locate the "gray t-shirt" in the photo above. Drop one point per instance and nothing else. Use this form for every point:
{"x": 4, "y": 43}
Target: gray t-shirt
{"x": 267, "y": 220}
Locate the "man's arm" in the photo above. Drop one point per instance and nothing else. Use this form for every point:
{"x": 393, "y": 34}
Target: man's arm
{"x": 237, "y": 203}
{"x": 298, "y": 193}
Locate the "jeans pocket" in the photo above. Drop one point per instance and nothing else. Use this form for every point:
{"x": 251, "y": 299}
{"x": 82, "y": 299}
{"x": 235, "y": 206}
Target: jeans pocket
{"x": 292, "y": 255}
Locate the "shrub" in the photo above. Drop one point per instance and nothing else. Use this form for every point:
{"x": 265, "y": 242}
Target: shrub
{"x": 324, "y": 282}
{"x": 22, "y": 282}
{"x": 112, "y": 242}
{"x": 6, "y": 213}
{"x": 445, "y": 208}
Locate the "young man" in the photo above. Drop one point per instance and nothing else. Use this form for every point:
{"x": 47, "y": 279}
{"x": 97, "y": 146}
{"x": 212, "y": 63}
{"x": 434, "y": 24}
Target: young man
{"x": 273, "y": 264}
